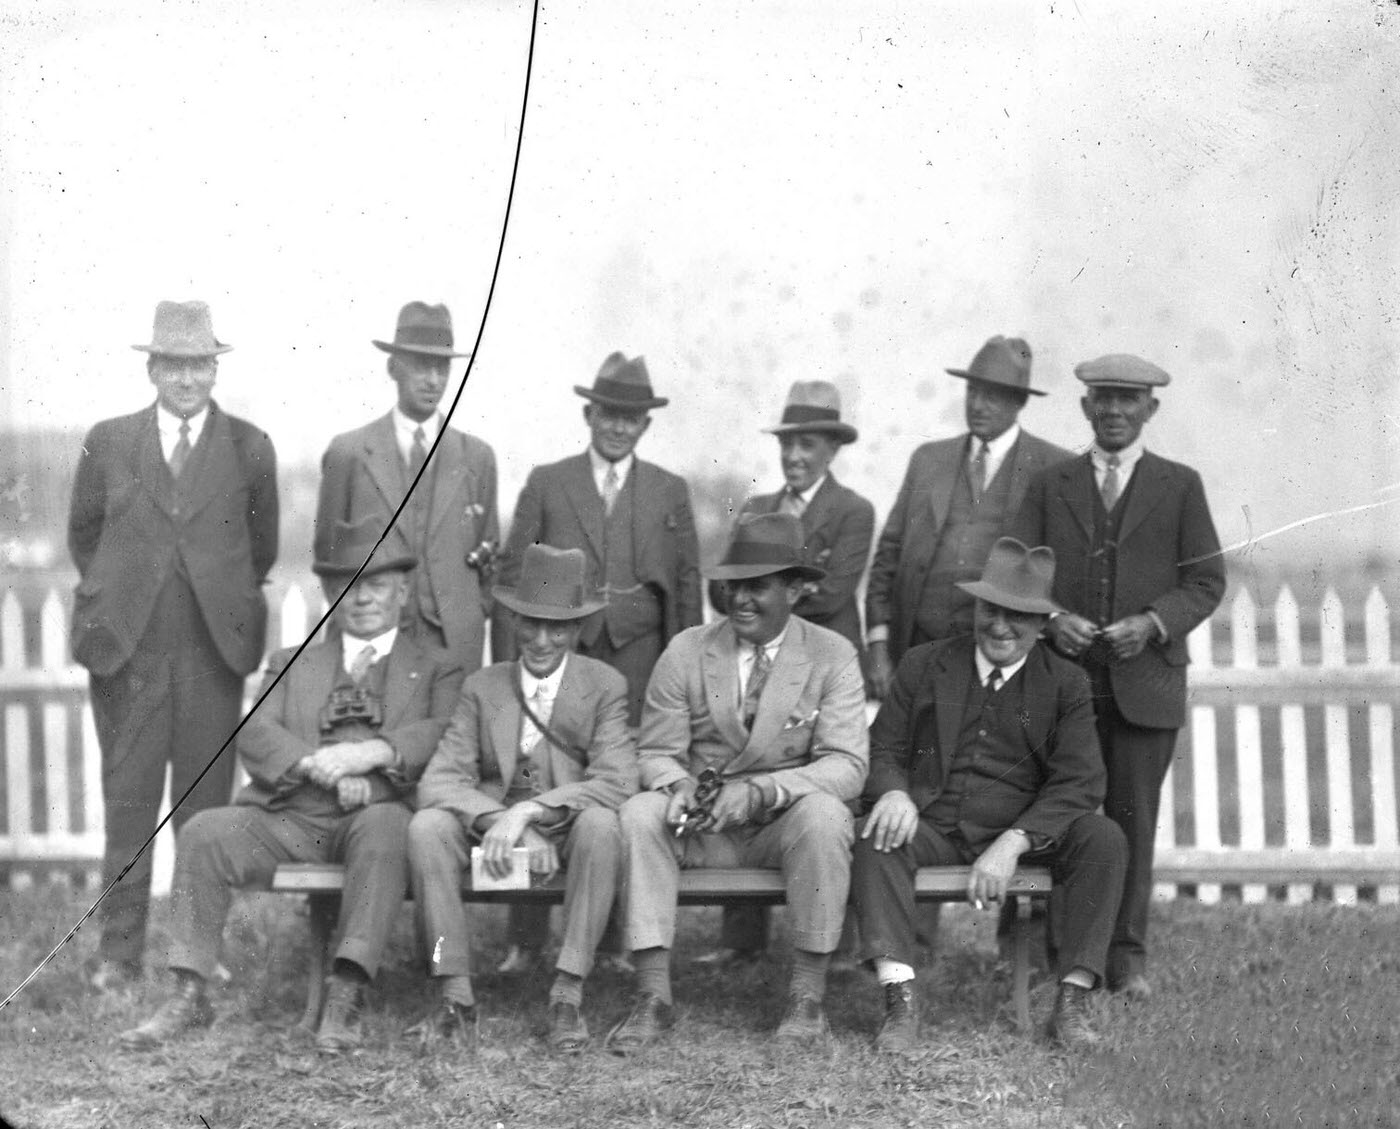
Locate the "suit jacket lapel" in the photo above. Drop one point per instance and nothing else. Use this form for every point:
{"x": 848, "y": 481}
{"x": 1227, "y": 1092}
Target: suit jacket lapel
{"x": 720, "y": 670}
{"x": 1077, "y": 488}
{"x": 383, "y": 463}
{"x": 218, "y": 467}
{"x": 504, "y": 728}
{"x": 588, "y": 506}
{"x": 951, "y": 687}
{"x": 1146, "y": 492}
{"x": 818, "y": 507}
{"x": 944, "y": 478}
{"x": 322, "y": 665}
{"x": 151, "y": 469}
{"x": 451, "y": 477}
{"x": 780, "y": 696}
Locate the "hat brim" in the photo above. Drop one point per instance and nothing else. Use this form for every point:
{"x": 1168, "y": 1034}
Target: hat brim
{"x": 403, "y": 562}
{"x": 423, "y": 350}
{"x": 624, "y": 405}
{"x": 1003, "y": 599}
{"x": 508, "y": 598}
{"x": 963, "y": 374}
{"x": 843, "y": 432}
{"x": 753, "y": 571}
{"x": 161, "y": 351}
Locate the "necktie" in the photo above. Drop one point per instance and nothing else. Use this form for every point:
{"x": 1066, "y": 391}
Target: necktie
{"x": 360, "y": 664}
{"x": 541, "y": 707}
{"x": 753, "y": 689}
{"x": 978, "y": 471}
{"x": 993, "y": 683}
{"x": 181, "y": 455}
{"x": 791, "y": 503}
{"x": 1112, "y": 488}
{"x": 610, "y": 488}
{"x": 418, "y": 454}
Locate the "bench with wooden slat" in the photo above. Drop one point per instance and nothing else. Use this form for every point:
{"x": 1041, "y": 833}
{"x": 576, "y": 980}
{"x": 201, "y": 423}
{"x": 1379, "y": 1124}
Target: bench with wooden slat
{"x": 322, "y": 883}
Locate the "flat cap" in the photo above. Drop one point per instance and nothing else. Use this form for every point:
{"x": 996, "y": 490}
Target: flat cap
{"x": 1121, "y": 370}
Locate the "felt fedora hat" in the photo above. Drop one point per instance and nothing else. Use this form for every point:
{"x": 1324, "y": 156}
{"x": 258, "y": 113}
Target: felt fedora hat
{"x": 183, "y": 329}
{"x": 762, "y": 544}
{"x": 1121, "y": 370}
{"x": 353, "y": 543}
{"x": 1002, "y": 360}
{"x": 624, "y": 384}
{"x": 422, "y": 329}
{"x": 814, "y": 405}
{"x": 551, "y": 585}
{"x": 1017, "y": 577}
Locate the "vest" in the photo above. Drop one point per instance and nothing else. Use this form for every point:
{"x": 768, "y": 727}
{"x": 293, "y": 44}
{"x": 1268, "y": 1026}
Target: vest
{"x": 1102, "y": 571}
{"x": 632, "y": 609}
{"x": 348, "y": 714}
{"x": 422, "y": 604}
{"x": 964, "y": 544}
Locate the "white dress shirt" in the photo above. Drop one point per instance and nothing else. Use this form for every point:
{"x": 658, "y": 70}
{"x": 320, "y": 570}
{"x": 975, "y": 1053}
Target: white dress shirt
{"x": 748, "y": 653}
{"x": 997, "y": 450}
{"x": 404, "y": 429}
{"x": 600, "y": 469}
{"x": 1127, "y": 460}
{"x": 168, "y": 424}
{"x": 350, "y": 647}
{"x": 539, "y": 696}
{"x": 985, "y": 666}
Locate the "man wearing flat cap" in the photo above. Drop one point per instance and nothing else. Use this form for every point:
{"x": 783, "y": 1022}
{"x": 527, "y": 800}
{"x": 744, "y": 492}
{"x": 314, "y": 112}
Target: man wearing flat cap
{"x": 333, "y": 753}
{"x": 984, "y": 753}
{"x": 450, "y": 523}
{"x": 173, "y": 527}
{"x": 770, "y": 710}
{"x": 1139, "y": 568}
{"x": 538, "y": 756}
{"x": 958, "y": 496}
{"x": 837, "y": 528}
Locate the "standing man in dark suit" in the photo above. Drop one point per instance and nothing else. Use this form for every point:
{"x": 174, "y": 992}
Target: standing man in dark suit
{"x": 957, "y": 498}
{"x": 450, "y": 524}
{"x": 332, "y": 752}
{"x": 1139, "y": 568}
{"x": 983, "y": 754}
{"x": 837, "y": 528}
{"x": 173, "y": 528}
{"x": 634, "y": 524}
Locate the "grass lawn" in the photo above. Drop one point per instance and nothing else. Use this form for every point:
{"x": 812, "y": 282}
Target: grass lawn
{"x": 1264, "y": 1016}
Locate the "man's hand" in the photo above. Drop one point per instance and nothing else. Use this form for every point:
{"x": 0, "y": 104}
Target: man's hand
{"x": 892, "y": 822}
{"x": 1071, "y": 634}
{"x": 733, "y": 806}
{"x": 880, "y": 670}
{"x": 352, "y": 792}
{"x": 991, "y": 873}
{"x": 505, "y": 833}
{"x": 682, "y": 794}
{"x": 345, "y": 758}
{"x": 1129, "y": 635}
{"x": 544, "y": 859}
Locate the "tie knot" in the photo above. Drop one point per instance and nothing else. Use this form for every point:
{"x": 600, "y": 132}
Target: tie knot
{"x": 1113, "y": 462}
{"x": 418, "y": 435}
{"x": 184, "y": 429}
{"x": 994, "y": 679}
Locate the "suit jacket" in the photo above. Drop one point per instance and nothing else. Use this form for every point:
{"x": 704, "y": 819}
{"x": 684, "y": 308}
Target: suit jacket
{"x": 1057, "y": 774}
{"x": 1168, "y": 560}
{"x": 363, "y": 478}
{"x": 128, "y": 533}
{"x": 912, "y": 531}
{"x": 476, "y": 759}
{"x": 809, "y": 734}
{"x": 837, "y": 527}
{"x": 559, "y": 506}
{"x": 420, "y": 688}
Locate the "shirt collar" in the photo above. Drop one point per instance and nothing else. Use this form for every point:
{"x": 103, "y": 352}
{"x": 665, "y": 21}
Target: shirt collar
{"x": 405, "y": 427}
{"x": 747, "y": 650}
{"x": 806, "y": 496}
{"x": 382, "y": 643}
{"x": 550, "y": 683}
{"x": 1127, "y": 457}
{"x": 169, "y": 423}
{"x": 600, "y": 466}
{"x": 985, "y": 666}
{"x": 996, "y": 448}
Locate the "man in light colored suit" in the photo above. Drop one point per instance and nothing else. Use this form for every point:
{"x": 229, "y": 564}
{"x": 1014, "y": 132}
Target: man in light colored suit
{"x": 173, "y": 527}
{"x": 774, "y": 707}
{"x": 957, "y": 498}
{"x": 538, "y": 756}
{"x": 332, "y": 753}
{"x": 1139, "y": 569}
{"x": 450, "y": 523}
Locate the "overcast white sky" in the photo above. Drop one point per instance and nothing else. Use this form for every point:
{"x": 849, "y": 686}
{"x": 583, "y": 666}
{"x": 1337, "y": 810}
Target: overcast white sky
{"x": 746, "y": 193}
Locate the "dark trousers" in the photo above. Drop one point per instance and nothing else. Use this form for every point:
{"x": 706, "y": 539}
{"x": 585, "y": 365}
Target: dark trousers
{"x": 174, "y": 702}
{"x": 1087, "y": 866}
{"x": 634, "y": 660}
{"x": 1137, "y": 760}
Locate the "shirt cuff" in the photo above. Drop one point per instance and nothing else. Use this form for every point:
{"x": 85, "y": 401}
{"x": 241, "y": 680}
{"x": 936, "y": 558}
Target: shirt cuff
{"x": 1163, "y": 636}
{"x": 880, "y": 633}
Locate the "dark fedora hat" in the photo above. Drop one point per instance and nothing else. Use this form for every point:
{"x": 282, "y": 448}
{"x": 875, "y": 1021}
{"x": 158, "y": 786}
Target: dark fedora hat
{"x": 762, "y": 544}
{"x": 1017, "y": 577}
{"x": 551, "y": 585}
{"x": 814, "y": 405}
{"x": 183, "y": 329}
{"x": 422, "y": 329}
{"x": 1002, "y": 360}
{"x": 624, "y": 384}
{"x": 353, "y": 543}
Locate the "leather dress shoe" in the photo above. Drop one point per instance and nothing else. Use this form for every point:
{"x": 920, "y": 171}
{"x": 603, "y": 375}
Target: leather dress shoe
{"x": 1070, "y": 1022}
{"x": 648, "y": 1018}
{"x": 726, "y": 958}
{"x": 899, "y": 1034}
{"x": 804, "y": 1022}
{"x": 448, "y": 1020}
{"x": 1134, "y": 987}
{"x": 113, "y": 975}
{"x": 340, "y": 1019}
{"x": 186, "y": 1010}
{"x": 568, "y": 1033}
{"x": 519, "y": 959}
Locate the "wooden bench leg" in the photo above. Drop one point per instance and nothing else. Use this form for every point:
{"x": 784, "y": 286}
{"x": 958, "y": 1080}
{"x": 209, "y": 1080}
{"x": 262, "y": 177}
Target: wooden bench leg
{"x": 1021, "y": 962}
{"x": 323, "y": 909}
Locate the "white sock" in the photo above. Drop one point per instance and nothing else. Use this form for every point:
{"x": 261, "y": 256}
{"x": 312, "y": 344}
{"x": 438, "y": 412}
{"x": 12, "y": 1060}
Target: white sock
{"x": 1079, "y": 977}
{"x": 892, "y": 971}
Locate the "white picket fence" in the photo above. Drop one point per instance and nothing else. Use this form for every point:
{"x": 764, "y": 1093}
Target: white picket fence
{"x": 1289, "y": 750}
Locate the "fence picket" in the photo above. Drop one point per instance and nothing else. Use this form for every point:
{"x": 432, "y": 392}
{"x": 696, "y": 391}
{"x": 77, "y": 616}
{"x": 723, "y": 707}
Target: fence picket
{"x": 11, "y": 633}
{"x": 1382, "y": 726}
{"x": 1205, "y": 774}
{"x": 1249, "y": 753}
{"x": 1297, "y": 832}
{"x": 1341, "y": 827}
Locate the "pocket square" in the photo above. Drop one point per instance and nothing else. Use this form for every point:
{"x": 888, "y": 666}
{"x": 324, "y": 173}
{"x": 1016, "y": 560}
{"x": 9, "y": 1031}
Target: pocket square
{"x": 474, "y": 509}
{"x": 798, "y": 720}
